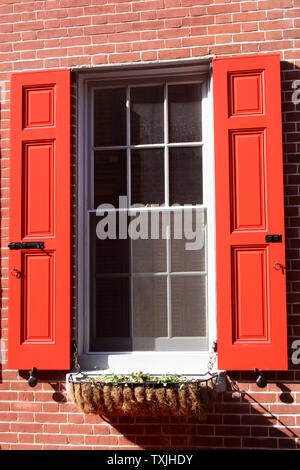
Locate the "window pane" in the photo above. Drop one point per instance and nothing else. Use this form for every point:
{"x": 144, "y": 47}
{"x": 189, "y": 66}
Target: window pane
{"x": 187, "y": 231}
{"x": 150, "y": 307}
{"x": 146, "y": 121}
{"x": 112, "y": 307}
{"x": 109, "y": 255}
{"x": 110, "y": 117}
{"x": 149, "y": 255}
{"x": 188, "y": 305}
{"x": 185, "y": 167}
{"x": 147, "y": 176}
{"x": 110, "y": 177}
{"x": 185, "y": 113}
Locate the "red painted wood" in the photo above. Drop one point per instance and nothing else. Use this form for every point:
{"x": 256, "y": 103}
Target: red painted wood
{"x": 40, "y": 209}
{"x": 251, "y": 297}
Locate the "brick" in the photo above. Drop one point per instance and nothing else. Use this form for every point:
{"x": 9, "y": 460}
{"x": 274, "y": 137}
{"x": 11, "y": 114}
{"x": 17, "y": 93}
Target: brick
{"x": 285, "y": 409}
{"x": 73, "y": 3}
{"x": 121, "y": 58}
{"x": 4, "y": 427}
{"x": 246, "y": 27}
{"x": 150, "y": 5}
{"x": 173, "y": 33}
{"x": 51, "y": 439}
{"x": 75, "y": 440}
{"x": 172, "y": 13}
{"x": 248, "y": 17}
{"x": 72, "y": 22}
{"x": 103, "y": 430}
{"x": 248, "y": 37}
{"x": 198, "y": 19}
{"x": 232, "y": 431}
{"x": 139, "y": 46}
{"x": 124, "y": 37}
{"x": 153, "y": 441}
{"x": 257, "y": 443}
{"x": 123, "y": 17}
{"x": 51, "y": 428}
{"x": 228, "y": 49}
{"x": 148, "y": 25}
{"x": 26, "y": 438}
{"x": 191, "y": 3}
{"x": 198, "y": 41}
{"x": 100, "y": 59}
{"x": 262, "y": 397}
{"x": 280, "y": 24}
{"x": 76, "y": 429}
{"x": 258, "y": 431}
{"x": 8, "y": 395}
{"x": 217, "y": 9}
{"x": 27, "y": 427}
{"x": 29, "y": 25}
{"x": 206, "y": 442}
{"x": 149, "y": 55}
{"x": 287, "y": 444}
{"x": 26, "y": 406}
{"x": 269, "y": 4}
{"x": 174, "y": 54}
{"x": 8, "y": 437}
{"x": 26, "y": 396}
{"x": 101, "y": 440}
{"x": 50, "y": 418}
{"x": 283, "y": 432}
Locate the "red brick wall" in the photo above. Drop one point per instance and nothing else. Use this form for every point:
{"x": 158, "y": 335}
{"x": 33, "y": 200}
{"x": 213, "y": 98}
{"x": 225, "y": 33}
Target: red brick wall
{"x": 68, "y": 33}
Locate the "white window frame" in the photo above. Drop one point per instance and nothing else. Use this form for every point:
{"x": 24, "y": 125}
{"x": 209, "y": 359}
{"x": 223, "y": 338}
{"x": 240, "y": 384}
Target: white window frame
{"x": 155, "y": 362}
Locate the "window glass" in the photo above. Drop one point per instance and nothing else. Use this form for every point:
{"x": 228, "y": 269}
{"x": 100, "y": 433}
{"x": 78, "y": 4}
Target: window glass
{"x": 150, "y": 255}
{"x": 110, "y": 255}
{"x": 188, "y": 229}
{"x": 147, "y": 176}
{"x": 109, "y": 177}
{"x": 188, "y": 305}
{"x": 110, "y": 117}
{"x": 185, "y": 167}
{"x": 112, "y": 314}
{"x": 146, "y": 118}
{"x": 148, "y": 288}
{"x": 150, "y": 307}
{"x": 185, "y": 113}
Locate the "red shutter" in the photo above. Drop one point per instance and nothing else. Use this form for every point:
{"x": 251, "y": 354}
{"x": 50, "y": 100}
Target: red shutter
{"x": 40, "y": 210}
{"x": 251, "y": 299}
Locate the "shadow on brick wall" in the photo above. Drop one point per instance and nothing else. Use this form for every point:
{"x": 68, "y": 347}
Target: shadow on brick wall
{"x": 240, "y": 418}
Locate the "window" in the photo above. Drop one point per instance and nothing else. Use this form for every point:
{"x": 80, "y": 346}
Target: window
{"x": 148, "y": 135}
{"x": 147, "y": 158}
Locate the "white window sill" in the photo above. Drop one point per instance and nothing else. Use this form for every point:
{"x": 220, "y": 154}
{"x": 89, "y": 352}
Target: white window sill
{"x": 156, "y": 363}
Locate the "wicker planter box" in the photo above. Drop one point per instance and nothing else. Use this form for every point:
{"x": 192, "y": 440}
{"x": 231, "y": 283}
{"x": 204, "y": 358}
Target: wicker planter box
{"x": 143, "y": 399}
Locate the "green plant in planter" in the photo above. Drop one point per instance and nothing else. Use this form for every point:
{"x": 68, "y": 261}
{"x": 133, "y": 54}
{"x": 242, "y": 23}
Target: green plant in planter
{"x": 141, "y": 377}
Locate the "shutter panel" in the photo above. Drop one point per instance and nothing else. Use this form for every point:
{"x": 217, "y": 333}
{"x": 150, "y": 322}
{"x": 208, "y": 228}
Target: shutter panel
{"x": 251, "y": 298}
{"x": 40, "y": 210}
